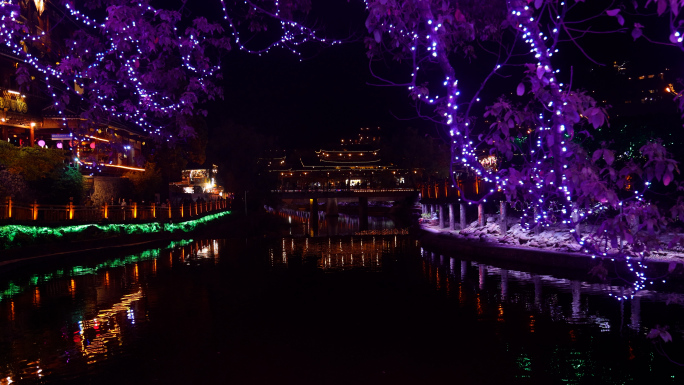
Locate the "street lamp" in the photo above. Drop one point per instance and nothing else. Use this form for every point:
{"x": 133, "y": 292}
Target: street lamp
{"x": 32, "y": 135}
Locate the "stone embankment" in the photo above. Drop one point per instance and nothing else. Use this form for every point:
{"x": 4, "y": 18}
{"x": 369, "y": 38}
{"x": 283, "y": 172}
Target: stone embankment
{"x": 552, "y": 248}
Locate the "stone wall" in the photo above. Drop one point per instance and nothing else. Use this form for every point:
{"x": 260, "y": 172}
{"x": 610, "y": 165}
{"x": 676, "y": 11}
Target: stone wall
{"x": 107, "y": 188}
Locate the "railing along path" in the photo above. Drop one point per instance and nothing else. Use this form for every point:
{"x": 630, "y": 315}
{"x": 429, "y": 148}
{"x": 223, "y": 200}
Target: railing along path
{"x": 133, "y": 212}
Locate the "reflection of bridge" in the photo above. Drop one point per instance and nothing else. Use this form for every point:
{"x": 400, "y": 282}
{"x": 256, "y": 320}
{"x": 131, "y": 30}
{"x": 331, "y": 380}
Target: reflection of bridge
{"x": 333, "y": 196}
{"x": 372, "y": 194}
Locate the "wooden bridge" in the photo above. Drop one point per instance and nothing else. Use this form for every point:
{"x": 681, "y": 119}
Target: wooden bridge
{"x": 387, "y": 194}
{"x": 333, "y": 196}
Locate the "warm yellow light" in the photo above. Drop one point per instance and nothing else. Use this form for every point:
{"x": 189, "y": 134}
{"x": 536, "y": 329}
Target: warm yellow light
{"x": 96, "y": 138}
{"x": 33, "y": 124}
{"x": 118, "y": 166}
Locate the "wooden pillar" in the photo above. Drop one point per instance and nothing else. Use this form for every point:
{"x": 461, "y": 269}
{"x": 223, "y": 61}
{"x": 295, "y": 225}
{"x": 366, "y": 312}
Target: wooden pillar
{"x": 363, "y": 213}
{"x": 537, "y": 291}
{"x": 481, "y": 221}
{"x": 463, "y": 216}
{"x": 503, "y": 219}
{"x": 452, "y": 217}
{"x": 635, "y": 319}
{"x": 464, "y": 269}
{"x": 441, "y": 216}
{"x": 576, "y": 218}
{"x": 576, "y": 289}
{"x": 482, "y": 275}
{"x": 504, "y": 284}
{"x": 313, "y": 214}
{"x": 331, "y": 208}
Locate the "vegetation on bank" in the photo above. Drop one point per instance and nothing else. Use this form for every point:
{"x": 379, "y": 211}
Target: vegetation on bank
{"x": 35, "y": 173}
{"x": 15, "y": 236}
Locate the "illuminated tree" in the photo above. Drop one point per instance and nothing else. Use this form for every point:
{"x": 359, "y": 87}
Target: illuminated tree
{"x": 139, "y": 64}
{"x": 545, "y": 124}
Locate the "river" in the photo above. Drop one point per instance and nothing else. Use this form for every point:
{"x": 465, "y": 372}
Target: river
{"x": 338, "y": 309}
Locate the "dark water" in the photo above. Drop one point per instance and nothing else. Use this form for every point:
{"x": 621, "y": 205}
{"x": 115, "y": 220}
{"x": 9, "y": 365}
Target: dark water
{"x": 327, "y": 310}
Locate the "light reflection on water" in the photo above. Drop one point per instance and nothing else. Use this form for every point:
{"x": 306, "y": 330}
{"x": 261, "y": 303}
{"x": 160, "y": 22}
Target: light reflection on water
{"x": 589, "y": 313}
{"x": 337, "y": 254}
{"x": 576, "y": 311}
{"x": 107, "y": 303}
{"x": 341, "y": 224}
{"x": 554, "y": 329}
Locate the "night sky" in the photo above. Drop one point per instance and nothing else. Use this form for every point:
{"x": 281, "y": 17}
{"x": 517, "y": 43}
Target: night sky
{"x": 320, "y": 99}
{"x": 327, "y": 96}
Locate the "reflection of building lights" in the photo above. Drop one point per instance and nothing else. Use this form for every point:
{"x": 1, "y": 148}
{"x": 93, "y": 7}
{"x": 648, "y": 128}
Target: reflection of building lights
{"x": 106, "y": 326}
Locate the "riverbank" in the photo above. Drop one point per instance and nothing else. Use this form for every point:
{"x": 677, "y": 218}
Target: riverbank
{"x": 552, "y": 250}
{"x": 25, "y": 243}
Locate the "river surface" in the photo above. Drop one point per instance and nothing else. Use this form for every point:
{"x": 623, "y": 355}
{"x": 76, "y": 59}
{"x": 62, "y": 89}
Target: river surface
{"x": 344, "y": 309}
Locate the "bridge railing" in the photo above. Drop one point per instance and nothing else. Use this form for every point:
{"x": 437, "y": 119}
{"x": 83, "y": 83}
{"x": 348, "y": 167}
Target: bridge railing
{"x": 42, "y": 213}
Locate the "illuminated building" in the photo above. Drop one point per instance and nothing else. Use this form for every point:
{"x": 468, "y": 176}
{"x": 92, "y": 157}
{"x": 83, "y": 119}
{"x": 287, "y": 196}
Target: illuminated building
{"x": 356, "y": 163}
{"x": 198, "y": 181}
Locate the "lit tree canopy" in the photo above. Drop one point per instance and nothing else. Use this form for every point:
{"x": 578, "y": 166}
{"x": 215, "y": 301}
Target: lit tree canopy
{"x": 136, "y": 64}
{"x": 546, "y": 122}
